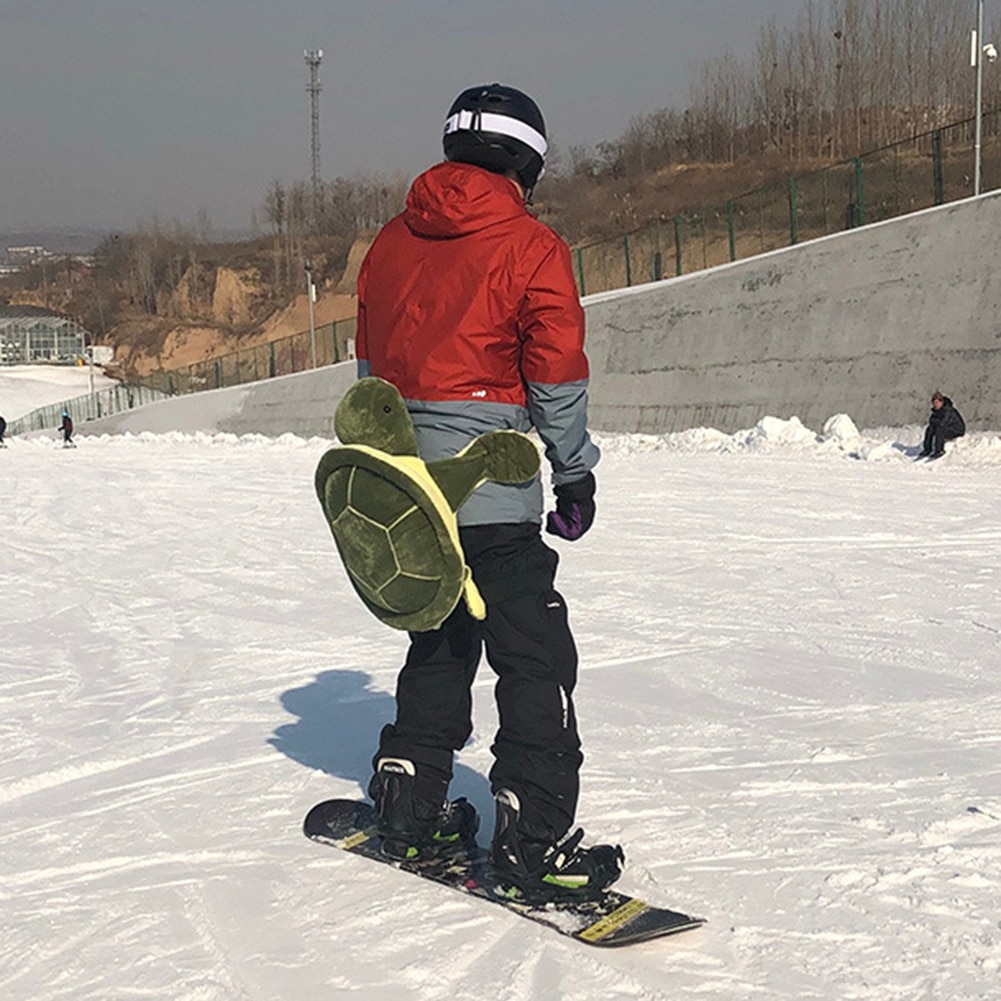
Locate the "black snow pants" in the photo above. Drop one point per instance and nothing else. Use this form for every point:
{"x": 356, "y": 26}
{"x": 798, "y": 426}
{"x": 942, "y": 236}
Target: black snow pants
{"x": 935, "y": 438}
{"x": 530, "y": 648}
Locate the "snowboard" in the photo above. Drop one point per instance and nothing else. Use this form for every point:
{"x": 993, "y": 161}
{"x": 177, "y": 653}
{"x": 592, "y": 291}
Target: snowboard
{"x": 614, "y": 919}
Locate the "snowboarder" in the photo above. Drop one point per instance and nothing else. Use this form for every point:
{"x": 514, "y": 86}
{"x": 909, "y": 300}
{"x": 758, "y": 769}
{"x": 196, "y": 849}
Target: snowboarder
{"x": 468, "y": 305}
{"x": 944, "y": 424}
{"x": 67, "y": 429}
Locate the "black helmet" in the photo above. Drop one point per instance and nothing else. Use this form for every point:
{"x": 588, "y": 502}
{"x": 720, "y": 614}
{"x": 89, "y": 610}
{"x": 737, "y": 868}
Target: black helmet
{"x": 497, "y": 128}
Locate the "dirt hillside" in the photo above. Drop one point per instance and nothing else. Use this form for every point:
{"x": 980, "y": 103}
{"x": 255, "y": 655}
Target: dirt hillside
{"x": 144, "y": 345}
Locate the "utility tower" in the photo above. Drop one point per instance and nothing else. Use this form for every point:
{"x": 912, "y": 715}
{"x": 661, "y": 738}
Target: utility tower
{"x": 313, "y": 60}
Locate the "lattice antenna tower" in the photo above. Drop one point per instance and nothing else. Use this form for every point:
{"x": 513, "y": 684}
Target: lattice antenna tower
{"x": 313, "y": 59}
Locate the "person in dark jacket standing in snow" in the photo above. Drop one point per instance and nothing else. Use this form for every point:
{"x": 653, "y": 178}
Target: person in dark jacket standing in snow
{"x": 66, "y": 426}
{"x": 3, "y": 430}
{"x": 944, "y": 423}
{"x": 467, "y": 304}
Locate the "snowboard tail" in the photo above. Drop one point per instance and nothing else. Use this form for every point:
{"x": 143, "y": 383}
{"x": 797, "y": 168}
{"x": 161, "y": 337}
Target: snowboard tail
{"x": 614, "y": 919}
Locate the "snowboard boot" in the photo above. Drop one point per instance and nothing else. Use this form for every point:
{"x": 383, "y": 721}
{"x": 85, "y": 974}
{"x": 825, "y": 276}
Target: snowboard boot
{"x": 412, "y": 829}
{"x": 540, "y": 871}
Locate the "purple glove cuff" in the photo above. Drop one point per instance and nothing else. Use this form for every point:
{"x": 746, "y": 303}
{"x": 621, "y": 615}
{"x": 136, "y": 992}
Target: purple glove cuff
{"x": 574, "y": 512}
{"x": 568, "y": 523}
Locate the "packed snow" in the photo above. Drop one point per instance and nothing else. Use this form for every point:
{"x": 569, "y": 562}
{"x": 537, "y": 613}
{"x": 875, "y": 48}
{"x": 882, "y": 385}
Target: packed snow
{"x": 790, "y": 642}
{"x": 25, "y": 387}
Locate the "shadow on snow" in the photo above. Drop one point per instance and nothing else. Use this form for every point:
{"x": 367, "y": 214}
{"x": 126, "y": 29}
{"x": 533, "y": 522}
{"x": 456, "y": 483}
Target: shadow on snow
{"x": 339, "y": 717}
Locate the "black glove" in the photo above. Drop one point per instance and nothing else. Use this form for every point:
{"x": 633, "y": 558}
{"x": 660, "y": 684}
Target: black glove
{"x": 574, "y": 512}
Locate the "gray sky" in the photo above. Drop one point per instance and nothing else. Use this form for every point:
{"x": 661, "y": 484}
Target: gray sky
{"x": 113, "y": 111}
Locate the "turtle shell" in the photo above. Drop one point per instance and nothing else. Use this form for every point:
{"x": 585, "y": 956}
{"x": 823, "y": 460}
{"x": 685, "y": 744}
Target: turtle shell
{"x": 392, "y": 539}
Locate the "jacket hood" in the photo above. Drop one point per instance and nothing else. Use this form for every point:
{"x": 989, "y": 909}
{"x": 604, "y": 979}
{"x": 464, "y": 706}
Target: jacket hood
{"x": 452, "y": 199}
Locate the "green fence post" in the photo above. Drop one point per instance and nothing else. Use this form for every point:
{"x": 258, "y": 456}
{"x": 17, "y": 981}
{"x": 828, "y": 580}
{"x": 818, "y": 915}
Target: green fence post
{"x": 580, "y": 271}
{"x": 677, "y": 245}
{"x": 936, "y": 156}
{"x": 896, "y": 180}
{"x": 729, "y": 230}
{"x": 333, "y": 337}
{"x": 793, "y": 217}
{"x": 658, "y": 266}
{"x": 629, "y": 266}
{"x": 859, "y": 197}
{"x": 827, "y": 222}
{"x": 218, "y": 374}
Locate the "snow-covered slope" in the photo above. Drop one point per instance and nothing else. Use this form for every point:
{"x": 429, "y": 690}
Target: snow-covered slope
{"x": 25, "y": 387}
{"x": 788, "y": 695}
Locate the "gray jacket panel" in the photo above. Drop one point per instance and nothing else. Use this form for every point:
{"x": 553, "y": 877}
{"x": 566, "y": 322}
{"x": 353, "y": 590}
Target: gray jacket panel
{"x": 559, "y": 413}
{"x": 445, "y": 428}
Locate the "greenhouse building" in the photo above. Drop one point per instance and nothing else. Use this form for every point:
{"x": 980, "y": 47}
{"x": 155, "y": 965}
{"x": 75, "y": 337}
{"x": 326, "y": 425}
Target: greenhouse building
{"x": 31, "y": 334}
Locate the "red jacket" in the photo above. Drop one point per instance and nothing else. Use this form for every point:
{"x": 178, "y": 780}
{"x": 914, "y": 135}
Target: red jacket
{"x": 468, "y": 305}
{"x": 465, "y": 296}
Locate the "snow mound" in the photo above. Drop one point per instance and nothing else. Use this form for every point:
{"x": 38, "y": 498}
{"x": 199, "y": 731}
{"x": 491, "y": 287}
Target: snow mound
{"x": 773, "y": 432}
{"x": 841, "y": 430}
{"x": 839, "y": 438}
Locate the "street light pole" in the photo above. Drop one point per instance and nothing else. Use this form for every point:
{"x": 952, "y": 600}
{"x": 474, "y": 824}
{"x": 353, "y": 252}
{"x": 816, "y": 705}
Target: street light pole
{"x": 311, "y": 295}
{"x": 977, "y": 54}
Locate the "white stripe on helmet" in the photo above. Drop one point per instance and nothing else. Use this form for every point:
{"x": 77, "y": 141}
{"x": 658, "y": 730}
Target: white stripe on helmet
{"x": 502, "y": 124}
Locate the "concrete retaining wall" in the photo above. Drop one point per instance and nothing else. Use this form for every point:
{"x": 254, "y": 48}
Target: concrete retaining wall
{"x": 866, "y": 323}
{"x": 302, "y": 404}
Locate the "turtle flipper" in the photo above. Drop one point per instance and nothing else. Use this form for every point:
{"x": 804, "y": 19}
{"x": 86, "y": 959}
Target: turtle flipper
{"x": 511, "y": 456}
{"x": 497, "y": 456}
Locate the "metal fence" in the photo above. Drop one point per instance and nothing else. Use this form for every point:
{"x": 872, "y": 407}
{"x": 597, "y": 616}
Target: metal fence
{"x": 101, "y": 403}
{"x": 929, "y": 169}
{"x": 334, "y": 342}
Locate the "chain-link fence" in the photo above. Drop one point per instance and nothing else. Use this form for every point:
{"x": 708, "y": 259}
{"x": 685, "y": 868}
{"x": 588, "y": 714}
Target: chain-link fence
{"x": 101, "y": 403}
{"x": 917, "y": 173}
{"x": 330, "y": 343}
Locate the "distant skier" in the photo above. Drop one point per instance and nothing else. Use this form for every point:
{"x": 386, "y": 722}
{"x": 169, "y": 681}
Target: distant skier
{"x": 3, "y": 429}
{"x": 67, "y": 429}
{"x": 944, "y": 424}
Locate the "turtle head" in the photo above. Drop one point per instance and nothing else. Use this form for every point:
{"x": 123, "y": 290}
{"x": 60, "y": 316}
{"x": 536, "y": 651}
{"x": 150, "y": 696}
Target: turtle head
{"x": 373, "y": 413}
